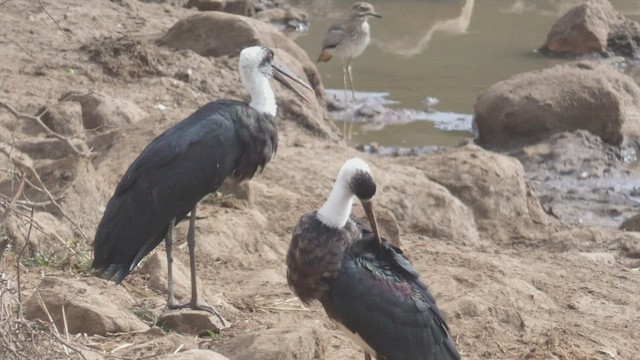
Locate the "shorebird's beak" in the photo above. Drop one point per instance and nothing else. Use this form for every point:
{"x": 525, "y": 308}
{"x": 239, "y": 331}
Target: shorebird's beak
{"x": 375, "y": 15}
{"x": 281, "y": 73}
{"x": 368, "y": 209}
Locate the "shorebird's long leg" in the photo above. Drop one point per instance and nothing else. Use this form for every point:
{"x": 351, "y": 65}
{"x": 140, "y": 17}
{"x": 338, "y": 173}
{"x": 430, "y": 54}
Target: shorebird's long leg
{"x": 346, "y": 100}
{"x": 191, "y": 244}
{"x": 169, "y": 243}
{"x": 345, "y": 73}
{"x": 353, "y": 92}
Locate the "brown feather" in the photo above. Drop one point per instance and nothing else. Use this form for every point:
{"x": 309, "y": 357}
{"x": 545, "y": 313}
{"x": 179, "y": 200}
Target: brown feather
{"x": 324, "y": 56}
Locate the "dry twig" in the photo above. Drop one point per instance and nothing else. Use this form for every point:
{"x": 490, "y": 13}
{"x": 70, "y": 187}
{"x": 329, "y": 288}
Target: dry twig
{"x": 54, "y": 20}
{"x": 28, "y": 169}
{"x": 38, "y": 120}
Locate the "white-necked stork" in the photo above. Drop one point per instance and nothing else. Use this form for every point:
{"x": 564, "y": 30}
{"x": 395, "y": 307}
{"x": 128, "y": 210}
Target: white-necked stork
{"x": 223, "y": 138}
{"x": 365, "y": 284}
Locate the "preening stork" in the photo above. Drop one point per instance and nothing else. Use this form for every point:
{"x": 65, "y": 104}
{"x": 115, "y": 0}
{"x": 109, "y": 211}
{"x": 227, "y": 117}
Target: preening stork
{"x": 366, "y": 285}
{"x": 224, "y": 138}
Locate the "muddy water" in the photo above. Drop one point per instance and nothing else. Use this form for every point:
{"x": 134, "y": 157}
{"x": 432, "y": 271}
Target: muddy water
{"x": 448, "y": 49}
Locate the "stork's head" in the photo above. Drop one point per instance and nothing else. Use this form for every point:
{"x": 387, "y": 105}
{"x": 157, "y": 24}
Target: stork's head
{"x": 363, "y": 10}
{"x": 258, "y": 62}
{"x": 356, "y": 174}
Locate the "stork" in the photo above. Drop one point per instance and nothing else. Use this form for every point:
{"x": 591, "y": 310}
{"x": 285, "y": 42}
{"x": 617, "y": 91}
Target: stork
{"x": 222, "y": 139}
{"x": 366, "y": 285}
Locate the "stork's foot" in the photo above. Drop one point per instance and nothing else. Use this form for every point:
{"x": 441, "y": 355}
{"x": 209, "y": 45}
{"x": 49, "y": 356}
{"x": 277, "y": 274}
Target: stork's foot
{"x": 201, "y": 307}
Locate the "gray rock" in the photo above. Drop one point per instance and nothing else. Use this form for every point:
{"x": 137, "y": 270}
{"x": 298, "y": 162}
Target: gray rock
{"x": 156, "y": 267}
{"x": 294, "y": 343}
{"x": 194, "y": 322}
{"x": 64, "y": 118}
{"x": 99, "y": 110}
{"x": 583, "y": 95}
{"x": 92, "y": 306}
{"x": 593, "y": 27}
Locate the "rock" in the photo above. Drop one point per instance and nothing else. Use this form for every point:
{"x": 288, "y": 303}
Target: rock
{"x": 64, "y": 118}
{"x": 631, "y": 224}
{"x": 238, "y": 7}
{"x": 292, "y": 343}
{"x": 262, "y": 5}
{"x": 493, "y": 186}
{"x": 240, "y": 190}
{"x": 156, "y": 267}
{"x": 570, "y": 153}
{"x": 84, "y": 192}
{"x": 206, "y": 5}
{"x": 593, "y": 27}
{"x": 582, "y": 95}
{"x": 194, "y": 322}
{"x": 195, "y": 354}
{"x": 50, "y": 148}
{"x": 289, "y": 20}
{"x": 430, "y": 211}
{"x": 92, "y": 306}
{"x": 100, "y": 110}
{"x": 387, "y": 223}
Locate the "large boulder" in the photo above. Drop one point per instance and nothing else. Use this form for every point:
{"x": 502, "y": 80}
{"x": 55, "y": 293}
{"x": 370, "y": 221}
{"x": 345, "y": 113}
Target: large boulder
{"x": 99, "y": 110}
{"x": 493, "y": 186}
{"x": 593, "y": 27}
{"x": 90, "y": 305}
{"x": 581, "y": 95}
{"x": 298, "y": 342}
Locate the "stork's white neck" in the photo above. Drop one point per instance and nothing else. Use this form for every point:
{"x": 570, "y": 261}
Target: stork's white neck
{"x": 262, "y": 98}
{"x": 336, "y": 210}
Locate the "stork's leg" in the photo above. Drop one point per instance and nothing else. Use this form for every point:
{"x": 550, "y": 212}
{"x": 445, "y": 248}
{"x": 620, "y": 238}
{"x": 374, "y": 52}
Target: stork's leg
{"x": 191, "y": 244}
{"x": 171, "y": 300}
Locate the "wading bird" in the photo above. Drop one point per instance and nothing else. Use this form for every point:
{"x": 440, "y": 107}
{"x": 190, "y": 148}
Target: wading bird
{"x": 366, "y": 285}
{"x": 224, "y": 138}
{"x": 348, "y": 39}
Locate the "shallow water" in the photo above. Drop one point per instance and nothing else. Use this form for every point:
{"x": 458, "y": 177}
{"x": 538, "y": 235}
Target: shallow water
{"x": 448, "y": 49}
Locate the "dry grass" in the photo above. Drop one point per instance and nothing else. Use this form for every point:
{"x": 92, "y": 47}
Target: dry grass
{"x": 25, "y": 339}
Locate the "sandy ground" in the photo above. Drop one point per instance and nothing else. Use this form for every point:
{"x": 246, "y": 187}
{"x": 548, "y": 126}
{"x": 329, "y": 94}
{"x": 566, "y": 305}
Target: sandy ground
{"x": 510, "y": 290}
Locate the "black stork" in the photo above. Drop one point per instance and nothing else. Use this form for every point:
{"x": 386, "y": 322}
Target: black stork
{"x": 365, "y": 284}
{"x": 223, "y": 138}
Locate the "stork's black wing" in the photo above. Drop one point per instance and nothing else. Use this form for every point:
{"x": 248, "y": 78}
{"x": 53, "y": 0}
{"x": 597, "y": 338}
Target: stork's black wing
{"x": 173, "y": 173}
{"x": 379, "y": 296}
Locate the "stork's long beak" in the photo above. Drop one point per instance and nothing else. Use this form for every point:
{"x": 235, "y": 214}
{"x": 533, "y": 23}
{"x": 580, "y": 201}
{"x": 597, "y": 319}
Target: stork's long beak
{"x": 281, "y": 73}
{"x": 368, "y": 209}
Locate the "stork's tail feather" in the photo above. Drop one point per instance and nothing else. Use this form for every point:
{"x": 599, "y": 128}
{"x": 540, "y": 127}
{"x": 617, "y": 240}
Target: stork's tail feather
{"x": 324, "y": 56}
{"x": 115, "y": 272}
